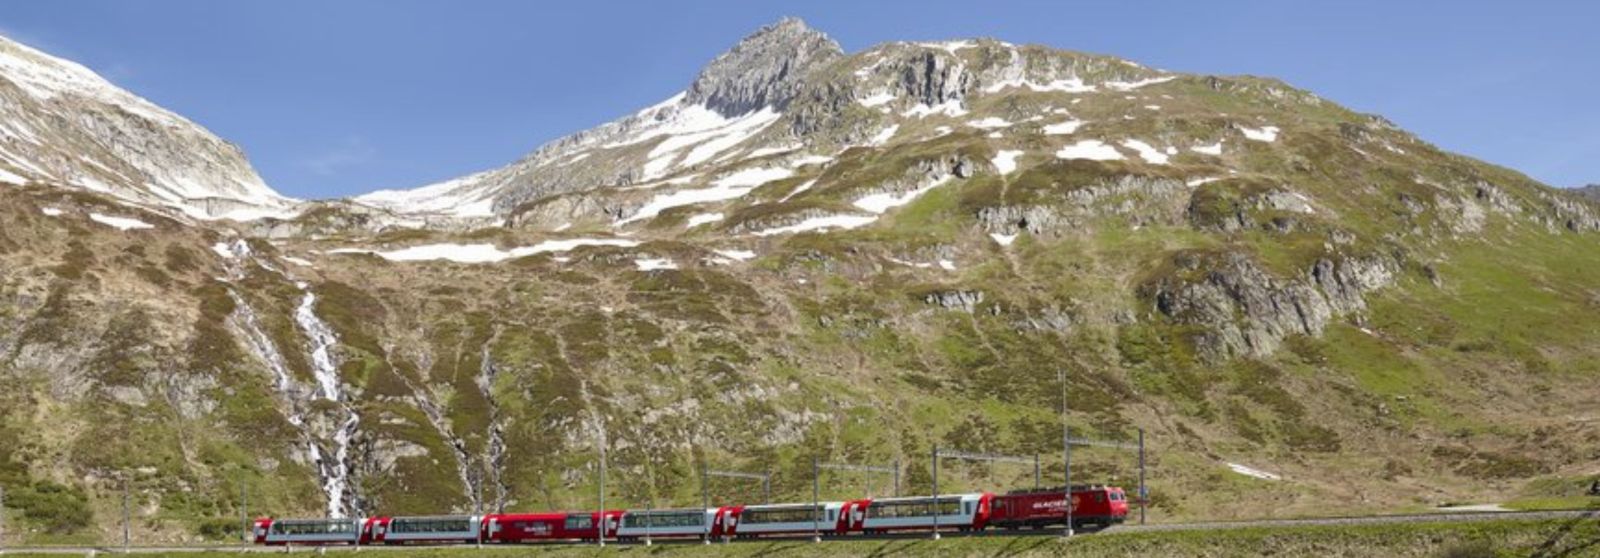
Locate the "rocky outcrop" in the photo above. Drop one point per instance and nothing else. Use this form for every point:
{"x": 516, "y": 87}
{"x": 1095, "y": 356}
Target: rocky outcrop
{"x": 765, "y": 69}
{"x": 925, "y": 173}
{"x": 1245, "y": 311}
{"x": 1572, "y": 215}
{"x": 962, "y": 300}
{"x": 1140, "y": 200}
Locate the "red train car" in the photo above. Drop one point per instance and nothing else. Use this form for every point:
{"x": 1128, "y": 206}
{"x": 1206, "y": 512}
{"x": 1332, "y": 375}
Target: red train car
{"x": 1098, "y": 506}
{"x": 533, "y": 527}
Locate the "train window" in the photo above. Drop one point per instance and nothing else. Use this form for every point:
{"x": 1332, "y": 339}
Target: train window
{"x": 831, "y": 516}
{"x": 967, "y": 507}
{"x": 783, "y": 515}
{"x": 664, "y": 519}
{"x": 1116, "y": 496}
{"x": 314, "y": 527}
{"x": 1100, "y": 497}
{"x": 430, "y": 525}
{"x": 914, "y": 508}
{"x": 577, "y": 521}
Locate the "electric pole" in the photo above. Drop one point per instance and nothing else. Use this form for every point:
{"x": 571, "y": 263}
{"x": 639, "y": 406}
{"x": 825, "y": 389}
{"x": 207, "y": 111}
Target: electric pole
{"x": 244, "y": 511}
{"x": 1143, "y": 492}
{"x": 1066, "y": 451}
{"x": 479, "y": 485}
{"x": 705, "y": 498}
{"x": 816, "y": 501}
{"x": 935, "y": 492}
{"x": 127, "y": 535}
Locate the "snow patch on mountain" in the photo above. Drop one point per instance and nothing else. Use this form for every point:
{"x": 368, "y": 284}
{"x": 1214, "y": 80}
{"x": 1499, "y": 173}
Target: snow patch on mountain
{"x": 733, "y": 254}
{"x": 708, "y": 132}
{"x": 990, "y": 123}
{"x": 1253, "y": 472}
{"x": 653, "y": 264}
{"x": 884, "y": 135}
{"x": 798, "y": 189}
{"x": 951, "y": 108}
{"x": 1005, "y": 161}
{"x": 1146, "y": 151}
{"x": 1062, "y": 128}
{"x": 726, "y": 188}
{"x": 877, "y": 99}
{"x": 120, "y": 223}
{"x": 482, "y": 253}
{"x": 884, "y": 201}
{"x": 1267, "y": 134}
{"x": 456, "y": 197}
{"x": 1132, "y": 85}
{"x": 821, "y": 223}
{"x": 1068, "y": 85}
{"x": 703, "y": 218}
{"x": 12, "y": 178}
{"x": 1093, "y": 150}
{"x": 951, "y": 47}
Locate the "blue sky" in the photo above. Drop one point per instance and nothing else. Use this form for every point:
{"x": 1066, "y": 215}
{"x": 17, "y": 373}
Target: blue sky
{"x": 332, "y": 98}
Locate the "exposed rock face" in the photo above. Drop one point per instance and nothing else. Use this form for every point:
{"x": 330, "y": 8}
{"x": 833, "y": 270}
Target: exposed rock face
{"x": 963, "y": 300}
{"x": 1140, "y": 200}
{"x": 933, "y": 78}
{"x": 1572, "y": 215}
{"x": 765, "y": 69}
{"x": 1247, "y": 311}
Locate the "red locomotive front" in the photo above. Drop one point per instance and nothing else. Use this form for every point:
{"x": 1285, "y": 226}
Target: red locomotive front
{"x": 1098, "y": 506}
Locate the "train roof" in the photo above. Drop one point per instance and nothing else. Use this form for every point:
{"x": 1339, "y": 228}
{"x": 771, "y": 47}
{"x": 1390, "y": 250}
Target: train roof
{"x": 678, "y": 510}
{"x": 941, "y": 496}
{"x": 1060, "y": 489}
{"x": 801, "y": 505}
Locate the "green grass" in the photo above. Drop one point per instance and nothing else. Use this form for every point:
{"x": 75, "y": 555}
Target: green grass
{"x": 1555, "y": 503}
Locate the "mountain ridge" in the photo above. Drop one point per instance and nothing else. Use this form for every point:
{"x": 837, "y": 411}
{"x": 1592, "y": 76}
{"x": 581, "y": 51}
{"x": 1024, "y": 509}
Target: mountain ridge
{"x": 120, "y": 143}
{"x": 933, "y": 244}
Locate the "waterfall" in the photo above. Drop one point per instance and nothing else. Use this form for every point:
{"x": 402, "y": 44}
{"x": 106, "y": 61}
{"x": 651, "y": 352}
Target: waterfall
{"x": 322, "y": 341}
{"x": 255, "y": 339}
{"x": 333, "y": 472}
{"x": 336, "y": 472}
{"x": 497, "y": 441}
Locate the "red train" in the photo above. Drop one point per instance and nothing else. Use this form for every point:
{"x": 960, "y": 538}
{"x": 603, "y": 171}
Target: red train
{"x": 1100, "y": 506}
{"x": 1092, "y": 506}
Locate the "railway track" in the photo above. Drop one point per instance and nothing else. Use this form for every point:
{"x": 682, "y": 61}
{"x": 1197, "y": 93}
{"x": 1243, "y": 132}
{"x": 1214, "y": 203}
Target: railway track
{"x": 1050, "y": 532}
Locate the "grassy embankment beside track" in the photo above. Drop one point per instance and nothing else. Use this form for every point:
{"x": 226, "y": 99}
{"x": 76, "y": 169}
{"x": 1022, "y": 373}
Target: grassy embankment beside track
{"x": 1566, "y": 538}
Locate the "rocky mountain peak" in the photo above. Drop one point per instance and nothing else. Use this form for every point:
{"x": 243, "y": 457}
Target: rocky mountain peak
{"x": 764, "y": 69}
